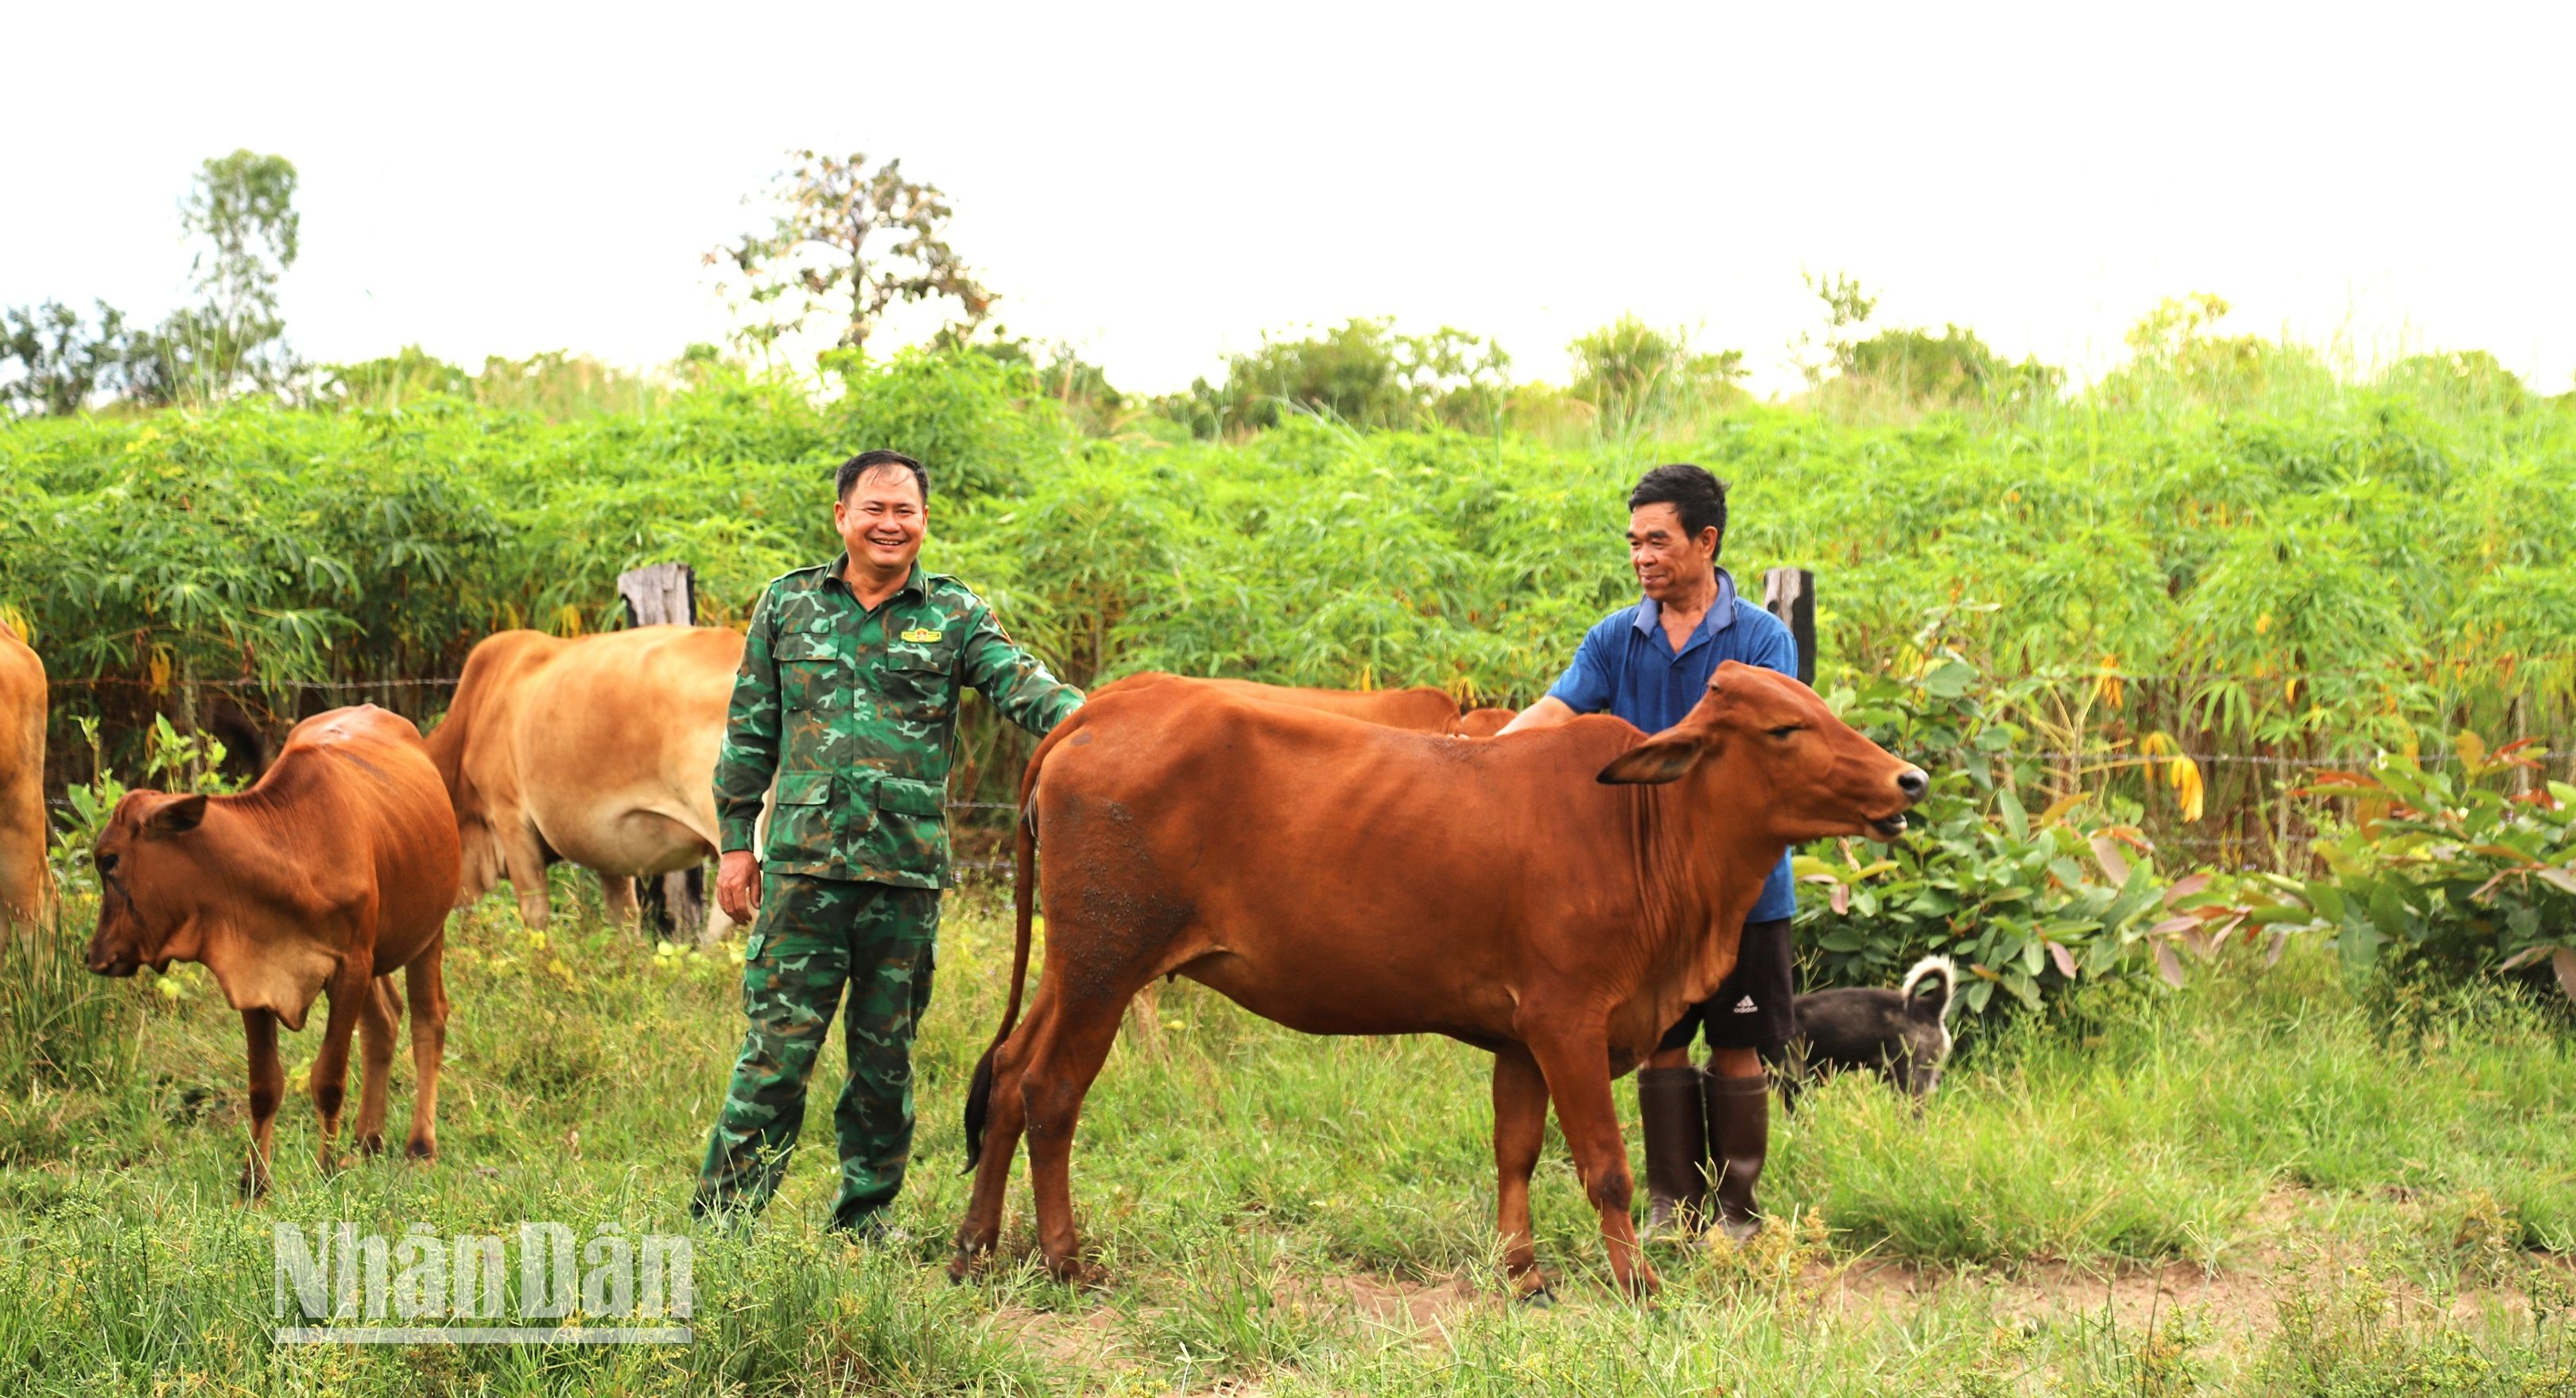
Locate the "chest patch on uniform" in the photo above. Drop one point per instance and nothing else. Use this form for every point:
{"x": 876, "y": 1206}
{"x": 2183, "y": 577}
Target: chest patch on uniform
{"x": 919, "y": 635}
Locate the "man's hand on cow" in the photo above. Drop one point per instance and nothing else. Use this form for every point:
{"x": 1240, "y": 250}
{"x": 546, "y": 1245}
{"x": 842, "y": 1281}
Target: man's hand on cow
{"x": 738, "y": 885}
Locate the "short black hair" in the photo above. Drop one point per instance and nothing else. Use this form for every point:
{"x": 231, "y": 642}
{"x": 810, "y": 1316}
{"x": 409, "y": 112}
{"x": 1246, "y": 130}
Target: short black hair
{"x": 867, "y": 461}
{"x": 1698, "y": 497}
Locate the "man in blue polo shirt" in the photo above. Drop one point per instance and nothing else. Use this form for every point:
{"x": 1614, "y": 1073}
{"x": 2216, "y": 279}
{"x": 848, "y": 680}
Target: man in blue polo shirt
{"x": 1649, "y": 664}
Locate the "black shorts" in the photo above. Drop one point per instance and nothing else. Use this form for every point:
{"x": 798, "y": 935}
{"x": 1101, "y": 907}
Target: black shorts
{"x": 1755, "y": 1007}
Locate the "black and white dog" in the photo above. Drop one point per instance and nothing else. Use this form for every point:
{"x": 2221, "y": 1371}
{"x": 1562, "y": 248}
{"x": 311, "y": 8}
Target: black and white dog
{"x": 1902, "y": 1035}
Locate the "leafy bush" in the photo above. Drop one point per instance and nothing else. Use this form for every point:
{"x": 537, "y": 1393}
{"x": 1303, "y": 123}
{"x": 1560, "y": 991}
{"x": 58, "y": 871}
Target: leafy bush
{"x": 2025, "y": 904}
{"x": 1952, "y": 369}
{"x": 1361, "y": 373}
{"x": 2443, "y": 872}
{"x": 1638, "y": 376}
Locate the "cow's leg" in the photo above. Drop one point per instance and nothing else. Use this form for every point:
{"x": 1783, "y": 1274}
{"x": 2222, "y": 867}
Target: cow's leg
{"x": 526, "y": 863}
{"x": 1578, "y": 1081}
{"x": 352, "y": 990}
{"x": 1520, "y": 1126}
{"x": 1061, "y": 1068}
{"x": 427, "y": 978}
{"x": 267, "y": 1089}
{"x": 617, "y": 900}
{"x": 379, "y": 1022}
{"x": 1005, "y": 1116}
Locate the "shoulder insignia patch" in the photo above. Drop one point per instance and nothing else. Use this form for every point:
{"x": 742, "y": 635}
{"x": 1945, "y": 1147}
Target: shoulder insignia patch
{"x": 919, "y": 635}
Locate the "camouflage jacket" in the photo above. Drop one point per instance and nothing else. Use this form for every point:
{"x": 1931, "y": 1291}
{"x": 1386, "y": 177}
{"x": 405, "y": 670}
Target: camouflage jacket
{"x": 854, "y": 712}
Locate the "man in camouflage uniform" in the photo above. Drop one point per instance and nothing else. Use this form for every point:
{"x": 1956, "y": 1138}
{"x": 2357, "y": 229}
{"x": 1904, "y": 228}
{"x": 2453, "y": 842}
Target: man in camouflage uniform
{"x": 847, "y": 698}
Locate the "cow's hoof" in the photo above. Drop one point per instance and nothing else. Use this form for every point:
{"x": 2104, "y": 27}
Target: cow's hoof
{"x": 1532, "y": 1290}
{"x": 1076, "y": 1273}
{"x": 422, "y": 1151}
{"x": 253, "y": 1184}
{"x": 371, "y": 1146}
{"x": 964, "y": 1264}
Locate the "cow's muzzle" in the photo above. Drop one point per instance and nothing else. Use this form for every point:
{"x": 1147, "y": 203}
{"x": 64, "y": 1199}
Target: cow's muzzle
{"x": 1911, "y": 783}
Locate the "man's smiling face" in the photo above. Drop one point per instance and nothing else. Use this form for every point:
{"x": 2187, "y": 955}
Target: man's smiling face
{"x": 883, "y": 519}
{"x": 1670, "y": 562}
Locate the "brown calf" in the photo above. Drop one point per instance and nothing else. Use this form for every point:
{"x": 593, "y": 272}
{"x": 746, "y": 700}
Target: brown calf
{"x": 333, "y": 872}
{"x": 1557, "y": 900}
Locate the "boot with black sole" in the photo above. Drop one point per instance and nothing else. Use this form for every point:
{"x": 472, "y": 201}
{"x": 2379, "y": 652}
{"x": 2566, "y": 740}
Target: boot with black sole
{"x": 1670, "y": 1113}
{"x": 1739, "y": 1138}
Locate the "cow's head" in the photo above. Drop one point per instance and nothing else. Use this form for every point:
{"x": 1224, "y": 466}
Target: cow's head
{"x": 1782, "y": 757}
{"x": 148, "y": 870}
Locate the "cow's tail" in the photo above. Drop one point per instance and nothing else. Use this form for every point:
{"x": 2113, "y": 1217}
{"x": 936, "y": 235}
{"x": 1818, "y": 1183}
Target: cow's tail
{"x": 1024, "y": 893}
{"x": 1924, "y": 1005}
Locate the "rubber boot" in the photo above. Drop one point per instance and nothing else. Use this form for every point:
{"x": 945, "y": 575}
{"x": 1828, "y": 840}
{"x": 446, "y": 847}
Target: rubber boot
{"x": 1739, "y": 1135}
{"x": 1676, "y": 1128}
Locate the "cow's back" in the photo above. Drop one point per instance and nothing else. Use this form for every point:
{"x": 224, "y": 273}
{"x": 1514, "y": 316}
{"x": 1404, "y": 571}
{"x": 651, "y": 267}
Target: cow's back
{"x": 1332, "y": 874}
{"x": 22, "y": 777}
{"x": 355, "y": 801}
{"x": 1420, "y": 709}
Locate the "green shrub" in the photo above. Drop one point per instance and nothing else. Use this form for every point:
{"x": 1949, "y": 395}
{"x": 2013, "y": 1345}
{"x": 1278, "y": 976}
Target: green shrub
{"x": 2443, "y": 871}
{"x": 2028, "y": 904}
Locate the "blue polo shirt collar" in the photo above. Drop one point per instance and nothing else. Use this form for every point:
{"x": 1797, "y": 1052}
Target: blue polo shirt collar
{"x": 1720, "y": 615}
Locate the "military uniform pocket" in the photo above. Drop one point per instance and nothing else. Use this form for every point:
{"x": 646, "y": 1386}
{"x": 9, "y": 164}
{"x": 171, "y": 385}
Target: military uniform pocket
{"x": 811, "y": 675}
{"x": 916, "y": 823}
{"x": 920, "y": 682}
{"x": 800, "y": 829}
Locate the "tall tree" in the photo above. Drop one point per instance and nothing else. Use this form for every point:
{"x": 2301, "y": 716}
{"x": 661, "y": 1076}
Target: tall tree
{"x": 242, "y": 213}
{"x": 62, "y": 362}
{"x": 816, "y": 255}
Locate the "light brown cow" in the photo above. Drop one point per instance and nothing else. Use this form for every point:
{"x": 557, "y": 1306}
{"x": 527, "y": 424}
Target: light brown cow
{"x": 332, "y": 872}
{"x": 1485, "y": 723}
{"x": 24, "y": 888}
{"x": 599, "y": 750}
{"x": 1557, "y": 899}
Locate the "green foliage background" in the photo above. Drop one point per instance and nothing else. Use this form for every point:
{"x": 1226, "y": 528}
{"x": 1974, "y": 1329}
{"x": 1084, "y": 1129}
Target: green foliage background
{"x": 2280, "y": 576}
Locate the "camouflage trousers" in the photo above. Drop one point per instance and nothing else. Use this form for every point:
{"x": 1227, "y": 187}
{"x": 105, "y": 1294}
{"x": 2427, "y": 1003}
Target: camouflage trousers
{"x": 811, "y": 937}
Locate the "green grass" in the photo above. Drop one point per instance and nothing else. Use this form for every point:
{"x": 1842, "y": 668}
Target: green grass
{"x": 2336, "y": 1205}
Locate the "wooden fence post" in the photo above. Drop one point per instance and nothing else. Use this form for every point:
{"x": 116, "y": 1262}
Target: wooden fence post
{"x": 667, "y": 594}
{"x": 663, "y": 594}
{"x": 1790, "y": 594}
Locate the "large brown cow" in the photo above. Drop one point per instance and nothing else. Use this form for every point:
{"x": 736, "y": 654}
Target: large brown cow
{"x": 600, "y": 751}
{"x": 23, "y": 884}
{"x": 1556, "y": 898}
{"x": 1420, "y": 709}
{"x": 335, "y": 870}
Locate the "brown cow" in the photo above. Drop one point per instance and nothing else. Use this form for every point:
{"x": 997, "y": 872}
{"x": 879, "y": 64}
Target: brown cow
{"x": 23, "y": 883}
{"x": 1420, "y": 709}
{"x": 599, "y": 750}
{"x": 1557, "y": 900}
{"x": 334, "y": 871}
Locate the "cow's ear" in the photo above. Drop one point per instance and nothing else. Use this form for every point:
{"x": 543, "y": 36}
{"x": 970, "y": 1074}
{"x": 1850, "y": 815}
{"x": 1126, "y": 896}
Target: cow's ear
{"x": 177, "y": 817}
{"x": 1657, "y": 760}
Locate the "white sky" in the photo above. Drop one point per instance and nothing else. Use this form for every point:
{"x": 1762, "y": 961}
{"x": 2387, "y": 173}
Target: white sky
{"x": 1159, "y": 184}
